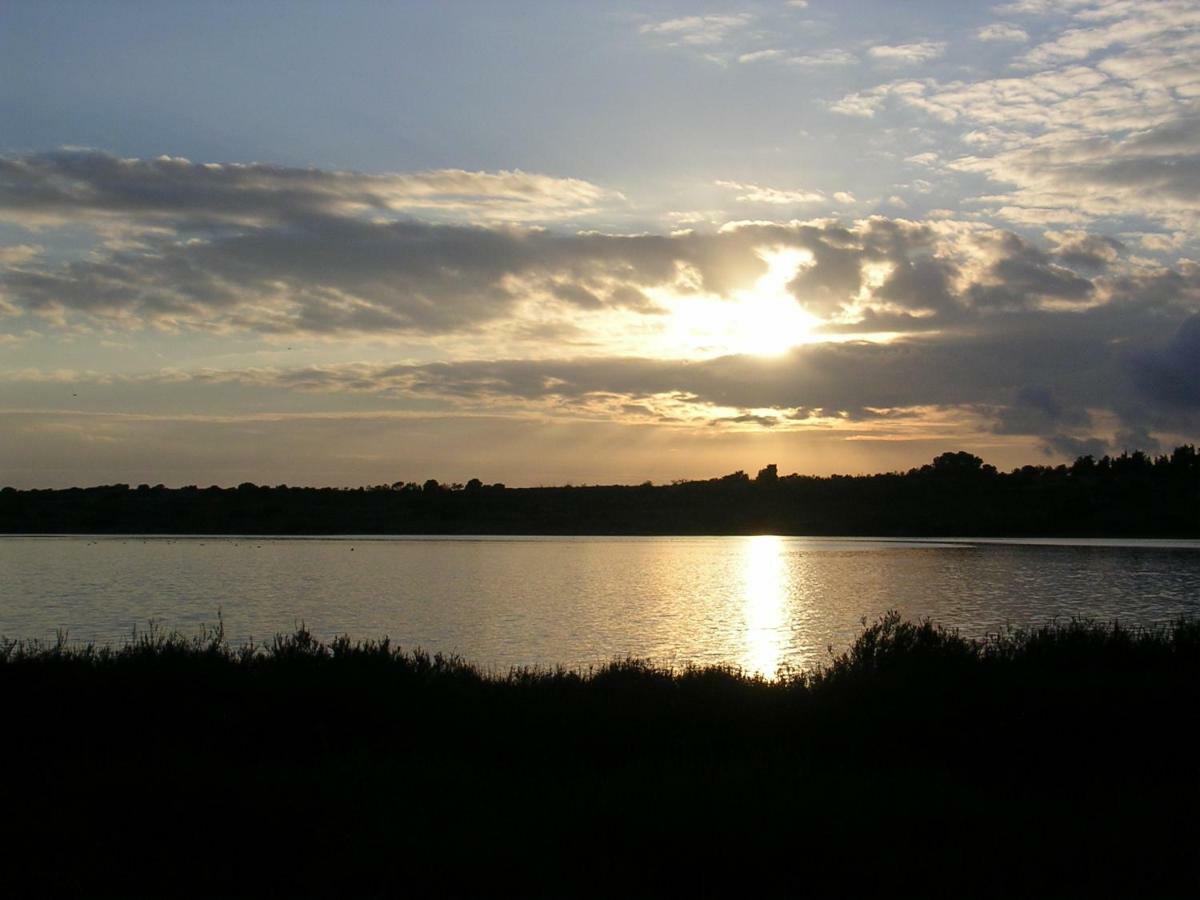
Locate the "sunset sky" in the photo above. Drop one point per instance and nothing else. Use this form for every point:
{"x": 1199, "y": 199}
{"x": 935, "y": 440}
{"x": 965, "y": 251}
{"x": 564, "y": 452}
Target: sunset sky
{"x": 540, "y": 243}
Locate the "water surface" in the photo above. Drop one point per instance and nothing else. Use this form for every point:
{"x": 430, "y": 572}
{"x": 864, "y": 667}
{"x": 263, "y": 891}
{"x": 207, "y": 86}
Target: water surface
{"x": 756, "y": 602}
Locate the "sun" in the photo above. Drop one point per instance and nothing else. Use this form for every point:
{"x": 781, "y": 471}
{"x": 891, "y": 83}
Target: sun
{"x": 762, "y": 320}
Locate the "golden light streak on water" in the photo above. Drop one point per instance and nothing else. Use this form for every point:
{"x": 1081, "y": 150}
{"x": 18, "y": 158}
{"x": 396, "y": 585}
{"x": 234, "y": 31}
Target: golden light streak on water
{"x": 767, "y": 581}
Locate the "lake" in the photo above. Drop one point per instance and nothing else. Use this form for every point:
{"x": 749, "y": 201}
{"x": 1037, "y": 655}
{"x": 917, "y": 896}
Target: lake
{"x": 756, "y": 602}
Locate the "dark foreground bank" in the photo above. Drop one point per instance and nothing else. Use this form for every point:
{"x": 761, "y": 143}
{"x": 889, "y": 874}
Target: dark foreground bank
{"x": 1060, "y": 762}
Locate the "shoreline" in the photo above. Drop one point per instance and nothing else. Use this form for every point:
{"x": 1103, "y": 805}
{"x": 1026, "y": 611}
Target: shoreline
{"x": 938, "y": 541}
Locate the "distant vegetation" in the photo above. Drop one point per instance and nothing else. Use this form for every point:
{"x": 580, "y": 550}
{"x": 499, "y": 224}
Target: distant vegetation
{"x": 1056, "y": 762}
{"x": 1133, "y": 494}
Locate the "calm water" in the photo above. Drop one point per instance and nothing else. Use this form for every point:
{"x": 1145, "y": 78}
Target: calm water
{"x": 757, "y": 602}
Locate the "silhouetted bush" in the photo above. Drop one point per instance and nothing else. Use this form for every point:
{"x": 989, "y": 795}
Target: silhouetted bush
{"x": 1052, "y": 762}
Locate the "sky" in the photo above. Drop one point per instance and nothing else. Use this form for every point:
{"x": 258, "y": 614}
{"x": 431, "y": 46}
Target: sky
{"x": 581, "y": 242}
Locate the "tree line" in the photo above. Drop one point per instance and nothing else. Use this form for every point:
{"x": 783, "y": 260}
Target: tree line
{"x": 957, "y": 493}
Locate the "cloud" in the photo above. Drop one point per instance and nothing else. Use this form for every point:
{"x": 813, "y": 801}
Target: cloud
{"x": 928, "y": 158}
{"x": 329, "y": 275}
{"x": 697, "y": 31}
{"x": 861, "y": 103}
{"x": 1037, "y": 411}
{"x": 1114, "y": 24}
{"x": 1001, "y": 31}
{"x": 318, "y": 271}
{"x": 822, "y": 59}
{"x": 908, "y": 54}
{"x": 990, "y": 324}
{"x": 1049, "y": 337}
{"x": 1081, "y": 250}
{"x": 753, "y": 193}
{"x": 1162, "y": 243}
{"x": 227, "y": 262}
{"x": 18, "y": 253}
{"x": 727, "y": 38}
{"x": 1052, "y": 375}
{"x": 1037, "y": 7}
{"x": 77, "y": 186}
{"x": 1170, "y": 376}
{"x": 760, "y": 56}
{"x": 1105, "y": 124}
{"x": 1074, "y": 447}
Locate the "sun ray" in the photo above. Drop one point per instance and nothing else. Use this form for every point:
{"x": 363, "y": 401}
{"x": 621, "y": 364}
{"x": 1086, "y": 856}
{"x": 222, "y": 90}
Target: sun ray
{"x": 762, "y": 320}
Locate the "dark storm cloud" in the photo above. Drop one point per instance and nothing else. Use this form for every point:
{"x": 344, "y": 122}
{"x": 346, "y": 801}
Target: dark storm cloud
{"x": 1065, "y": 445}
{"x": 1170, "y": 376}
{"x": 1136, "y": 437}
{"x": 1037, "y": 411}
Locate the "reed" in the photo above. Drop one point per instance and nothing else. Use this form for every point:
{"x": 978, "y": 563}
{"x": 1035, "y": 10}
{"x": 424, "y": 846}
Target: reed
{"x": 1052, "y": 761}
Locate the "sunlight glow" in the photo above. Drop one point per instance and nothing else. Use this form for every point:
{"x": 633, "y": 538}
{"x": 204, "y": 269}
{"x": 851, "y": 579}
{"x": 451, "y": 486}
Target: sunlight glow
{"x": 767, "y": 584}
{"x": 763, "y": 320}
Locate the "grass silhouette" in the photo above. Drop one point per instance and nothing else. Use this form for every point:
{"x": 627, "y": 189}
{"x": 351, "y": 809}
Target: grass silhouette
{"x": 1057, "y": 761}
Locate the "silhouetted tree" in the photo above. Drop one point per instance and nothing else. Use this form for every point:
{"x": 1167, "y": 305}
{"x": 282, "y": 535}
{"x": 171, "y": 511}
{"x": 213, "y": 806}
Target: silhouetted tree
{"x": 957, "y": 493}
{"x": 960, "y": 463}
{"x": 768, "y": 474}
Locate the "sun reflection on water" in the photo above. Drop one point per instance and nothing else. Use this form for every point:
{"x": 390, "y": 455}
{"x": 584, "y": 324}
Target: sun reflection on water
{"x": 767, "y": 581}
